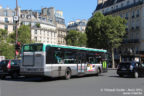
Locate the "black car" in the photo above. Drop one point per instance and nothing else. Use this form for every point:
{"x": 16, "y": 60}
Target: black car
{"x": 9, "y": 68}
{"x": 131, "y": 69}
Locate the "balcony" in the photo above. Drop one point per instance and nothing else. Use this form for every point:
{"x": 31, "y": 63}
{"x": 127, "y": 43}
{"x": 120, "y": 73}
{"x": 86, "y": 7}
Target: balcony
{"x": 125, "y": 7}
{"x": 133, "y": 16}
{"x": 126, "y": 41}
{"x": 6, "y": 21}
{"x": 132, "y": 28}
{"x": 126, "y": 18}
{"x": 137, "y": 27}
{"x": 137, "y": 15}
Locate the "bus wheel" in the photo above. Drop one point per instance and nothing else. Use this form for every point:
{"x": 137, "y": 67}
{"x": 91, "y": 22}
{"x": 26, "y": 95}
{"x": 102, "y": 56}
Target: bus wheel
{"x": 98, "y": 71}
{"x": 136, "y": 75}
{"x": 67, "y": 74}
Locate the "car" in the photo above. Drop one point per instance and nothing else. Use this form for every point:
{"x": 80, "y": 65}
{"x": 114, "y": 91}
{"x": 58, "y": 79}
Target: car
{"x": 9, "y": 68}
{"x": 133, "y": 69}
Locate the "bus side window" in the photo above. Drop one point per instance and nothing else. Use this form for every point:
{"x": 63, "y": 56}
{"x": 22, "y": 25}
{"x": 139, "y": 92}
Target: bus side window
{"x": 69, "y": 56}
{"x": 50, "y": 59}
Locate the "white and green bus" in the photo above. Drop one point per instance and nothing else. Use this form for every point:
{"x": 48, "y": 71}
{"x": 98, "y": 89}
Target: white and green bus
{"x": 47, "y": 60}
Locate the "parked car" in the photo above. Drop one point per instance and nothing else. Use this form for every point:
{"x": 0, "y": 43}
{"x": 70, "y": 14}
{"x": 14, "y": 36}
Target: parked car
{"x": 9, "y": 68}
{"x": 131, "y": 69}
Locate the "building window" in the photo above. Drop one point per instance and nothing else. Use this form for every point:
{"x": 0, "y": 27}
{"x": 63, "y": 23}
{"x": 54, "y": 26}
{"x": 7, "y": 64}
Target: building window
{"x": 6, "y": 20}
{"x": 133, "y": 14}
{"x": 35, "y": 31}
{"x": 126, "y": 16}
{"x": 116, "y": 6}
{"x": 35, "y": 38}
{"x": 138, "y": 13}
{"x": 5, "y": 13}
{"x": 121, "y": 4}
{"x": 6, "y": 27}
{"x": 111, "y": 8}
{"x": 121, "y": 15}
{"x": 128, "y": 2}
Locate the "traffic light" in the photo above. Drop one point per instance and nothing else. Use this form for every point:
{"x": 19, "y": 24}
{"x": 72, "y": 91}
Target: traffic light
{"x": 17, "y": 47}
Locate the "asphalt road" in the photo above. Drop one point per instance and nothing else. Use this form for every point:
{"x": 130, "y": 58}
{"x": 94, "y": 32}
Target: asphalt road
{"x": 108, "y": 84}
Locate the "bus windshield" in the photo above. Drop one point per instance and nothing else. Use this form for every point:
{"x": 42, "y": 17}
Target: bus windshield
{"x": 33, "y": 48}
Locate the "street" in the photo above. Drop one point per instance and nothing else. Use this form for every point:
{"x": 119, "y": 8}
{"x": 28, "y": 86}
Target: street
{"x": 108, "y": 84}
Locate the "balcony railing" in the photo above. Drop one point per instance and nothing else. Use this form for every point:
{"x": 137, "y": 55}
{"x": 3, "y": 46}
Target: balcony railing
{"x": 130, "y": 41}
{"x": 125, "y": 7}
{"x": 137, "y": 15}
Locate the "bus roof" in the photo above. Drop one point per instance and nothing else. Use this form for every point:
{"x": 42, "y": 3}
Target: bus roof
{"x": 72, "y": 47}
{"x": 78, "y": 48}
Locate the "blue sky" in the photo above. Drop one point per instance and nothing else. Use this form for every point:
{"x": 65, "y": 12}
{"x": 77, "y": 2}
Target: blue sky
{"x": 73, "y": 9}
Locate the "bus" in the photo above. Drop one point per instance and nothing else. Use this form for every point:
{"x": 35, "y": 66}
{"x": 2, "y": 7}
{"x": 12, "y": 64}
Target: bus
{"x": 48, "y": 60}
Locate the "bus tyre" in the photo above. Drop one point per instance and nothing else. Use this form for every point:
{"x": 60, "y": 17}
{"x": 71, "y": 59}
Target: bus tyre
{"x": 98, "y": 71}
{"x": 67, "y": 74}
{"x": 136, "y": 75}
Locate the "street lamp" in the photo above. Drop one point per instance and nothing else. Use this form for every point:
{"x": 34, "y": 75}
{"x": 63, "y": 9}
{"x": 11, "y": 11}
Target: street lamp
{"x": 16, "y": 19}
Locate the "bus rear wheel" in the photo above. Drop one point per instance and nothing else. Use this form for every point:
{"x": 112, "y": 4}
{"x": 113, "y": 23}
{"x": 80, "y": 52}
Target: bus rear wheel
{"x": 98, "y": 71}
{"x": 67, "y": 74}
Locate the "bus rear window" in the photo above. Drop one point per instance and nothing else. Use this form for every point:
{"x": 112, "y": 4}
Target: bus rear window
{"x": 33, "y": 48}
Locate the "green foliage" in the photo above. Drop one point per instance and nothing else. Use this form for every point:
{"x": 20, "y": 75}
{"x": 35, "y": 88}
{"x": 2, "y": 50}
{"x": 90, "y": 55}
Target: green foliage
{"x": 75, "y": 38}
{"x": 3, "y": 34}
{"x": 105, "y": 31}
{"x": 38, "y": 25}
{"x": 24, "y": 35}
{"x": 6, "y": 49}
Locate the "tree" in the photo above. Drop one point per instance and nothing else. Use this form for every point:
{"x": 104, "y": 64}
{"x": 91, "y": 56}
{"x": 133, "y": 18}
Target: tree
{"x": 24, "y": 35}
{"x": 105, "y": 32}
{"x": 38, "y": 25}
{"x": 3, "y": 34}
{"x": 75, "y": 38}
{"x": 6, "y": 49}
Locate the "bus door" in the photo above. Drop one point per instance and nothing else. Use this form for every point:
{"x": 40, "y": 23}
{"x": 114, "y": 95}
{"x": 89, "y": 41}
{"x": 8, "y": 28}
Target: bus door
{"x": 81, "y": 62}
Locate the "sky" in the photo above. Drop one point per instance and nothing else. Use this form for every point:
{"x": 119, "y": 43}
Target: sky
{"x": 72, "y": 9}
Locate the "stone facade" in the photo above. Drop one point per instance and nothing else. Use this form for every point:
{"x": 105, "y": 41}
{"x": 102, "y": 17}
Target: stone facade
{"x": 6, "y": 19}
{"x": 78, "y": 25}
{"x": 47, "y": 25}
{"x": 133, "y": 11}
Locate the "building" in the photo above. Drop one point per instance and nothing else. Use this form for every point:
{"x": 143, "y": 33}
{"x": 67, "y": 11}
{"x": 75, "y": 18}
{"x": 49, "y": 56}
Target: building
{"x": 61, "y": 27}
{"x": 133, "y": 11}
{"x": 57, "y": 18}
{"x": 47, "y": 25}
{"x": 42, "y": 30}
{"x": 78, "y": 25}
{"x": 6, "y": 19}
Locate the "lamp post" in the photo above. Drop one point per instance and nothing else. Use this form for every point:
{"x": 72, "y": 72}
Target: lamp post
{"x": 16, "y": 19}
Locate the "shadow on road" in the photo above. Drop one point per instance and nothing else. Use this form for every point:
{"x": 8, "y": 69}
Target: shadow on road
{"x": 46, "y": 79}
{"x": 128, "y": 77}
